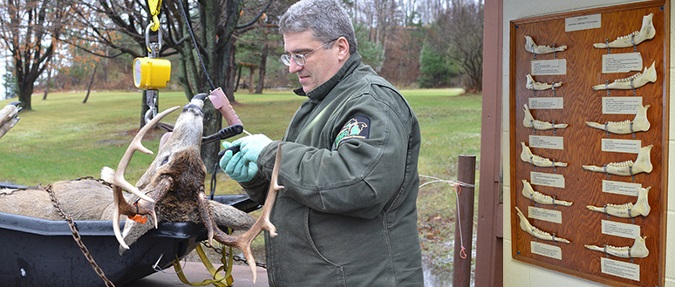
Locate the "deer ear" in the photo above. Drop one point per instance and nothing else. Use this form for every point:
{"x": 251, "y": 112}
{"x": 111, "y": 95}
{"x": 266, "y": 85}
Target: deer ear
{"x": 164, "y": 138}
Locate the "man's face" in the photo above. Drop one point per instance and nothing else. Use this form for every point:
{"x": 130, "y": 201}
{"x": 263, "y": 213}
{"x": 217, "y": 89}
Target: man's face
{"x": 320, "y": 65}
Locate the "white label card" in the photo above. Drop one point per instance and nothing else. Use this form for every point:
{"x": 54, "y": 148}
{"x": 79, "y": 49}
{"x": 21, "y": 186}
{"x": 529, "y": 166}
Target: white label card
{"x": 547, "y": 179}
{"x": 620, "y": 105}
{"x": 548, "y": 67}
{"x": 549, "y": 142}
{"x": 623, "y": 146}
{"x": 621, "y": 63}
{"x": 547, "y": 250}
{"x": 623, "y": 188}
{"x": 551, "y": 103}
{"x": 619, "y": 229}
{"x": 549, "y": 215}
{"x": 583, "y": 22}
{"x": 620, "y": 268}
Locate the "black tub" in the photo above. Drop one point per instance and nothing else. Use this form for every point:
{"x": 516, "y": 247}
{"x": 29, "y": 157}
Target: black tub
{"x": 37, "y": 252}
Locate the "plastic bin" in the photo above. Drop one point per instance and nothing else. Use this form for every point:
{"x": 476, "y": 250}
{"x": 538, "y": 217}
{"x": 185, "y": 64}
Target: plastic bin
{"x": 38, "y": 252}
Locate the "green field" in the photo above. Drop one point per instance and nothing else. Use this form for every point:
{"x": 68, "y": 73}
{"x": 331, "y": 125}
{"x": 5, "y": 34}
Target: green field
{"x": 63, "y": 139}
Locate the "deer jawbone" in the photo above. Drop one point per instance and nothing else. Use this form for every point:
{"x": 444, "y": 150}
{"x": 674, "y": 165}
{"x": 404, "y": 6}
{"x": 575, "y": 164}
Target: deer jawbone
{"x": 541, "y": 198}
{"x": 638, "y": 250}
{"x": 627, "y": 168}
{"x": 646, "y": 32}
{"x": 531, "y": 84}
{"x": 533, "y": 48}
{"x": 527, "y": 156}
{"x": 536, "y": 232}
{"x": 638, "y": 80}
{"x": 627, "y": 210}
{"x": 640, "y": 123}
{"x": 530, "y": 122}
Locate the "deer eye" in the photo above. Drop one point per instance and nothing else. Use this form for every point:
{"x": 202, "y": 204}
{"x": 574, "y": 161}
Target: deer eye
{"x": 165, "y": 160}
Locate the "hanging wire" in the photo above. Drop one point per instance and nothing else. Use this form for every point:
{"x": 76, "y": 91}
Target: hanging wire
{"x": 194, "y": 42}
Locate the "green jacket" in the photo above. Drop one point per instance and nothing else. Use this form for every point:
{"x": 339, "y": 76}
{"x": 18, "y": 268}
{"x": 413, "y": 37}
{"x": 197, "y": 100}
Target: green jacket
{"x": 347, "y": 215}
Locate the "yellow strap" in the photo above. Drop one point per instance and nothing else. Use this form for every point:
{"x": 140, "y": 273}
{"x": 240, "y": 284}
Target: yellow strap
{"x": 153, "y": 7}
{"x": 218, "y": 280}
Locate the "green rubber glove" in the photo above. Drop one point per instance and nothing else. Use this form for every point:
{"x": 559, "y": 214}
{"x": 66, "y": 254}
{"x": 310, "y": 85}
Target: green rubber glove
{"x": 251, "y": 146}
{"x": 236, "y": 166}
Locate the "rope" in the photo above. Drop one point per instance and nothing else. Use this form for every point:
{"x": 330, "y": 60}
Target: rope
{"x": 457, "y": 187}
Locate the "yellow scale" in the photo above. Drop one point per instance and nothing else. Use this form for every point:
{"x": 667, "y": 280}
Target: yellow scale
{"x": 152, "y": 73}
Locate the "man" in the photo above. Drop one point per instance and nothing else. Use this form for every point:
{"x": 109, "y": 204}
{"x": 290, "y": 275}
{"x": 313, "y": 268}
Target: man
{"x": 347, "y": 214}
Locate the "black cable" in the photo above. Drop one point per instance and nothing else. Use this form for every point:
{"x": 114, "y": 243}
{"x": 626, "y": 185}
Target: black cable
{"x": 194, "y": 42}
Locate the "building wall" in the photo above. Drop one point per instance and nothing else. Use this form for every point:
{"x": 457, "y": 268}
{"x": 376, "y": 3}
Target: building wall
{"x": 521, "y": 274}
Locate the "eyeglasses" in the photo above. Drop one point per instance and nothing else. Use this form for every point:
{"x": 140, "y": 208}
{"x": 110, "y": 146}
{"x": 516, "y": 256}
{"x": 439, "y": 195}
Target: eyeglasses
{"x": 301, "y": 59}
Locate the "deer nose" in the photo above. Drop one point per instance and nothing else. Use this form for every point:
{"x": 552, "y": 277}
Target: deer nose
{"x": 193, "y": 108}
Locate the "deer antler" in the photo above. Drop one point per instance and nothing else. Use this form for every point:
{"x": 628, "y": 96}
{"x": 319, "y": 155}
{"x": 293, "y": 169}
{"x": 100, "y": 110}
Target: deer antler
{"x": 243, "y": 241}
{"x": 119, "y": 183}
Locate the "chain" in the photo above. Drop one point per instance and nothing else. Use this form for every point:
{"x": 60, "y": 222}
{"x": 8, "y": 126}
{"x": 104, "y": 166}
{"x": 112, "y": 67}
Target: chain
{"x": 235, "y": 257}
{"x": 76, "y": 236}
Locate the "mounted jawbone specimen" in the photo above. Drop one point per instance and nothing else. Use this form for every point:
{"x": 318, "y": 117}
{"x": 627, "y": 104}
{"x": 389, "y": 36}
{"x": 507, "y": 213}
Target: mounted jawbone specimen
{"x": 646, "y": 32}
{"x": 530, "y": 122}
{"x": 539, "y": 197}
{"x": 639, "y": 124}
{"x": 627, "y": 210}
{"x": 638, "y": 250}
{"x": 536, "y": 232}
{"x": 533, "y": 48}
{"x": 635, "y": 81}
{"x": 527, "y": 156}
{"x": 531, "y": 84}
{"x": 627, "y": 168}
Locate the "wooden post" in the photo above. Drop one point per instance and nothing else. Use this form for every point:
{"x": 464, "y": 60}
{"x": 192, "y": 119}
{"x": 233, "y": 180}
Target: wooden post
{"x": 466, "y": 175}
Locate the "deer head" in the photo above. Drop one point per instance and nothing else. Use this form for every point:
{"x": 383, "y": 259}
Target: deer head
{"x": 172, "y": 188}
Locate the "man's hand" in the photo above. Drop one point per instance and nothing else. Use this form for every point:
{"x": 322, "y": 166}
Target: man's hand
{"x": 251, "y": 146}
{"x": 236, "y": 166}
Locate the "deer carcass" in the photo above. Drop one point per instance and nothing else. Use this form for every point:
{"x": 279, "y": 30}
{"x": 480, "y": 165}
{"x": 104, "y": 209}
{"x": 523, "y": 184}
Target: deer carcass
{"x": 171, "y": 189}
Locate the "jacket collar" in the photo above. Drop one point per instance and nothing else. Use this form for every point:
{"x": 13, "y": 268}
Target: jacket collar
{"x": 322, "y": 90}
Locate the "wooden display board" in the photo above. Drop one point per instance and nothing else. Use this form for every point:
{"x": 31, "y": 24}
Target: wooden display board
{"x": 579, "y": 68}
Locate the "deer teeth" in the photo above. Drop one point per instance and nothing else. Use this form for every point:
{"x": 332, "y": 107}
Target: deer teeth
{"x": 646, "y": 32}
{"x": 539, "y": 197}
{"x": 627, "y": 210}
{"x": 536, "y": 160}
{"x": 638, "y": 250}
{"x": 627, "y": 168}
{"x": 531, "y": 84}
{"x": 530, "y": 122}
{"x": 635, "y": 81}
{"x": 526, "y": 226}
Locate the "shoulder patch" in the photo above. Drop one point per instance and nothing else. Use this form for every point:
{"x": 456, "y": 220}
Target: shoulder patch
{"x": 357, "y": 127}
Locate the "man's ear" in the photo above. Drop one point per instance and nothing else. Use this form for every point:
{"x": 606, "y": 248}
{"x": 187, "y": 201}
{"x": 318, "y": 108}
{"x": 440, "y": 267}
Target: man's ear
{"x": 343, "y": 48}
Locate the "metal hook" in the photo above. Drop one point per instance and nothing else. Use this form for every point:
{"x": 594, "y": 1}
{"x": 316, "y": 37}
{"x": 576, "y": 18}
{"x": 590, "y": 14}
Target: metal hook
{"x": 153, "y": 48}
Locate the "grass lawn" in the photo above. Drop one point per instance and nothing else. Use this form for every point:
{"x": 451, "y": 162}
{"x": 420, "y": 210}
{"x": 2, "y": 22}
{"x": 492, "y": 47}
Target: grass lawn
{"x": 62, "y": 139}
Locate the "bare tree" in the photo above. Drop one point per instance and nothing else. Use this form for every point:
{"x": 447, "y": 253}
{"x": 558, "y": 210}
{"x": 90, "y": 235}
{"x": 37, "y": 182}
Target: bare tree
{"x": 30, "y": 30}
{"x": 466, "y": 40}
{"x": 205, "y": 63}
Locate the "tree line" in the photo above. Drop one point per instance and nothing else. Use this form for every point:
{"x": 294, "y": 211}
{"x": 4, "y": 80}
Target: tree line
{"x": 232, "y": 44}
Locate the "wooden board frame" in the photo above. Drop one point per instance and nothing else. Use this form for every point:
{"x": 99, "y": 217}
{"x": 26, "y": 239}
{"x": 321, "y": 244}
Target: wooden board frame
{"x": 582, "y": 144}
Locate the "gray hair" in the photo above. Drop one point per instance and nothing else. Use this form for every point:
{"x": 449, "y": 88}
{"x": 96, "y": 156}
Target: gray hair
{"x": 327, "y": 19}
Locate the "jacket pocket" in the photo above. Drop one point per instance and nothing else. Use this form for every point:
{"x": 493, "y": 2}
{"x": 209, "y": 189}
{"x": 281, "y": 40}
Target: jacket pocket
{"x": 337, "y": 270}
